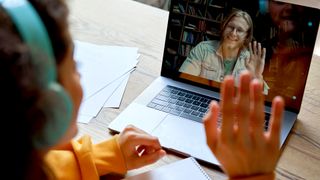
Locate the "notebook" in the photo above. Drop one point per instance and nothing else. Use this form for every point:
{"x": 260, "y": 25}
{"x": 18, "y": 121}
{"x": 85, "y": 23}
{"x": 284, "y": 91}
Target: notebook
{"x": 172, "y": 107}
{"x": 187, "y": 169}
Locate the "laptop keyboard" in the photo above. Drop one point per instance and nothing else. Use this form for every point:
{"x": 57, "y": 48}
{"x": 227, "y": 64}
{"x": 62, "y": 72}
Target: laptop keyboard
{"x": 186, "y": 104}
{"x": 181, "y": 102}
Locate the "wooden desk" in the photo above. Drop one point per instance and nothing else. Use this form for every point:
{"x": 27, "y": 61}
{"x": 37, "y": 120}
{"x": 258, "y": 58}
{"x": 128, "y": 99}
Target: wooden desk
{"x": 129, "y": 23}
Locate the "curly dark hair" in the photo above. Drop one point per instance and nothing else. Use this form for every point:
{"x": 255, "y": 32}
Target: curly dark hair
{"x": 20, "y": 91}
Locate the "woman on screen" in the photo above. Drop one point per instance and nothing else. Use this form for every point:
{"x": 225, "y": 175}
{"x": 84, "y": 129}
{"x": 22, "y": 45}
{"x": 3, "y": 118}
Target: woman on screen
{"x": 235, "y": 53}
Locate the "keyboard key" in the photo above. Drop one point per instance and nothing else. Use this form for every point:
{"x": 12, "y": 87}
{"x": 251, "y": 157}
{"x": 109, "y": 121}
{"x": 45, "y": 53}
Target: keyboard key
{"x": 187, "y": 111}
{"x": 203, "y": 99}
{"x": 151, "y": 105}
{"x": 180, "y": 103}
{"x": 203, "y": 110}
{"x": 181, "y": 94}
{"x": 175, "y": 112}
{"x": 159, "y": 102}
{"x": 172, "y": 106}
{"x": 173, "y": 101}
{"x": 162, "y": 98}
{"x": 195, "y": 108}
{"x": 195, "y": 97}
{"x": 201, "y": 115}
{"x": 204, "y": 105}
{"x": 191, "y": 117}
{"x": 165, "y": 93}
{"x": 174, "y": 97}
{"x": 166, "y": 109}
{"x": 195, "y": 113}
{"x": 159, "y": 107}
{"x": 189, "y": 101}
{"x": 180, "y": 108}
{"x": 174, "y": 92}
{"x": 166, "y": 89}
{"x": 197, "y": 103}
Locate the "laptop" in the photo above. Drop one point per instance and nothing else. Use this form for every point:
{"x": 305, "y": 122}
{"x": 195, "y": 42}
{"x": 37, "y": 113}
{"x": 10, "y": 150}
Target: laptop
{"x": 173, "y": 106}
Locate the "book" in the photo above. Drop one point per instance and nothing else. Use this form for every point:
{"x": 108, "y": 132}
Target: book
{"x": 186, "y": 169}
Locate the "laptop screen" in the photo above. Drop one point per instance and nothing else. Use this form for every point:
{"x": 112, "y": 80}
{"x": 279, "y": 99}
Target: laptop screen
{"x": 209, "y": 39}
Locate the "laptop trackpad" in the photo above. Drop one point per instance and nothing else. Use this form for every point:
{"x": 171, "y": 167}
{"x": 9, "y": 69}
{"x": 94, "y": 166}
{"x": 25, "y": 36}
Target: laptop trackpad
{"x": 185, "y": 136}
{"x": 138, "y": 115}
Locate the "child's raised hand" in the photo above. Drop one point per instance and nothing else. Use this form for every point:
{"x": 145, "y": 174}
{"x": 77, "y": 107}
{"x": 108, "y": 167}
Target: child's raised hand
{"x": 241, "y": 144}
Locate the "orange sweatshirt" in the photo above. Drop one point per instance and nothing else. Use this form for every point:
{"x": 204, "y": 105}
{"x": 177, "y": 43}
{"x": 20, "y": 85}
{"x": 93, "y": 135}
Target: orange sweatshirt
{"x": 86, "y": 160}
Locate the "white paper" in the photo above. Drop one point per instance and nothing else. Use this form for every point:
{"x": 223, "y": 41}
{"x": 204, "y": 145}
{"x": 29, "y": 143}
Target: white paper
{"x": 115, "y": 99}
{"x": 104, "y": 73}
{"x": 91, "y": 107}
{"x": 99, "y": 65}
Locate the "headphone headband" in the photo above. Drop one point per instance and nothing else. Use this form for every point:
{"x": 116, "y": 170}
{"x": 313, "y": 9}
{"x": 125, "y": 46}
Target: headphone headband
{"x": 34, "y": 34}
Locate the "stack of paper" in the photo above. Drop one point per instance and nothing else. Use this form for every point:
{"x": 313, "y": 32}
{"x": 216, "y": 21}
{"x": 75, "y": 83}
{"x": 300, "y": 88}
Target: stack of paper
{"x": 105, "y": 71}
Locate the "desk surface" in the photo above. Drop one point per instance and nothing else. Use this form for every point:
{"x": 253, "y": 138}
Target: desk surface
{"x": 129, "y": 23}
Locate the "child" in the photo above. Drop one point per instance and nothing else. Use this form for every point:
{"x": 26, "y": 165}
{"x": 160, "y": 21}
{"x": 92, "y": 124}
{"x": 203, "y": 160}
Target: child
{"x": 41, "y": 95}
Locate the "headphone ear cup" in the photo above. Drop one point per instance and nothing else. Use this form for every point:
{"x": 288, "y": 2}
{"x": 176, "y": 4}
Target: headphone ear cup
{"x": 56, "y": 106}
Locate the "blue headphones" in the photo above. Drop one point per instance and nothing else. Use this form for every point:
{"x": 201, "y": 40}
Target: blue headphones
{"x": 55, "y": 103}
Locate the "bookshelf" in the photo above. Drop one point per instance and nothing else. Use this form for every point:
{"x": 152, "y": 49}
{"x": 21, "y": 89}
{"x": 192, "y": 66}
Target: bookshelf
{"x": 190, "y": 22}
